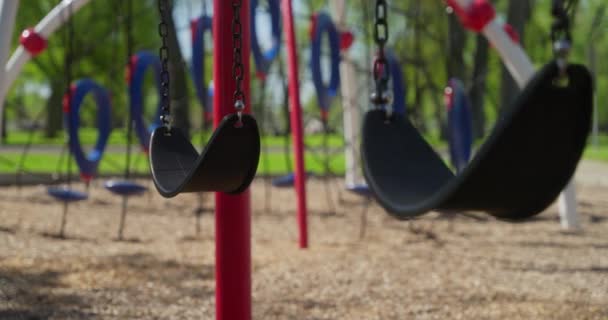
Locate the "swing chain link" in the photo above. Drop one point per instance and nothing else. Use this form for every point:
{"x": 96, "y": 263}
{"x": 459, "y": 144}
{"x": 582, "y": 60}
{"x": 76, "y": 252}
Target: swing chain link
{"x": 561, "y": 37}
{"x": 380, "y": 97}
{"x": 238, "y": 70}
{"x": 163, "y": 53}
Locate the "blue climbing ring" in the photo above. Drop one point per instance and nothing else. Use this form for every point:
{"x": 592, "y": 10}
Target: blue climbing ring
{"x": 140, "y": 62}
{"x": 398, "y": 82}
{"x": 198, "y": 28}
{"x": 263, "y": 59}
{"x": 322, "y": 24}
{"x": 87, "y": 163}
{"x": 460, "y": 132}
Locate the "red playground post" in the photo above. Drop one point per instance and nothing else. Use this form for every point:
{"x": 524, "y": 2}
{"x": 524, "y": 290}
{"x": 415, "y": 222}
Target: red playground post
{"x": 296, "y": 120}
{"x": 233, "y": 212}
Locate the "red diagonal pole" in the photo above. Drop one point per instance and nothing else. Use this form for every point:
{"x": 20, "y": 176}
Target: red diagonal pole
{"x": 296, "y": 120}
{"x": 232, "y": 212}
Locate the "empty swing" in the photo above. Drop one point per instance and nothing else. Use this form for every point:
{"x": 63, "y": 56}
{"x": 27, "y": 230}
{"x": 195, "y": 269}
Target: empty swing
{"x": 229, "y": 161}
{"x": 526, "y": 161}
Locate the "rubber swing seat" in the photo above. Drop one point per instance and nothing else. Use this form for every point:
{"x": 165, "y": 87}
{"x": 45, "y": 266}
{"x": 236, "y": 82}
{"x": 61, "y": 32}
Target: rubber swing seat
{"x": 527, "y": 160}
{"x": 65, "y": 194}
{"x": 125, "y": 188}
{"x": 227, "y": 164}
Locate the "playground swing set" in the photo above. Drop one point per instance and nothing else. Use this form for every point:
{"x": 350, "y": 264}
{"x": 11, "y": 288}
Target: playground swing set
{"x": 517, "y": 173}
{"x": 409, "y": 178}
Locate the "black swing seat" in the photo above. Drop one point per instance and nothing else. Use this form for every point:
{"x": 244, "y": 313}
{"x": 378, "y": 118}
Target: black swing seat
{"x": 530, "y": 156}
{"x": 228, "y": 162}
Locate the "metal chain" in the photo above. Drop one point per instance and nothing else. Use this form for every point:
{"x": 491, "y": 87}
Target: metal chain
{"x": 163, "y": 53}
{"x": 69, "y": 58}
{"x": 380, "y": 70}
{"x": 238, "y": 70}
{"x": 561, "y": 37}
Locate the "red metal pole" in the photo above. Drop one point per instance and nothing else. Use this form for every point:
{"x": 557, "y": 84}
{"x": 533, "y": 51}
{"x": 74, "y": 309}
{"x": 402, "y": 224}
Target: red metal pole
{"x": 296, "y": 120}
{"x": 233, "y": 212}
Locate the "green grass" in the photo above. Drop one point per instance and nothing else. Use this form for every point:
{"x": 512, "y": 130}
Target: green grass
{"x": 88, "y": 136}
{"x": 114, "y": 163}
{"x": 599, "y": 153}
{"x": 273, "y": 163}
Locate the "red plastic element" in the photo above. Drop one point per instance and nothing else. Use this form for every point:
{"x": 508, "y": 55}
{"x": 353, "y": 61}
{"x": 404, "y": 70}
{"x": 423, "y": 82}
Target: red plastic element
{"x": 33, "y": 42}
{"x": 261, "y": 75}
{"x": 86, "y": 177}
{"x": 66, "y": 101}
{"x": 193, "y": 27}
{"x": 295, "y": 117}
{"x": 324, "y": 115}
{"x": 346, "y": 40}
{"x": 313, "y": 26}
{"x": 475, "y": 17}
{"x": 448, "y": 96}
{"x": 207, "y": 116}
{"x": 513, "y": 34}
{"x": 129, "y": 70}
{"x": 232, "y": 212}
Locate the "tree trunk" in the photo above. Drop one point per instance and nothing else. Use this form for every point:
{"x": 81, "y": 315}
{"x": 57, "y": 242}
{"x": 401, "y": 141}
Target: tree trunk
{"x": 180, "y": 107}
{"x": 478, "y": 87}
{"x": 54, "y": 110}
{"x": 517, "y": 16}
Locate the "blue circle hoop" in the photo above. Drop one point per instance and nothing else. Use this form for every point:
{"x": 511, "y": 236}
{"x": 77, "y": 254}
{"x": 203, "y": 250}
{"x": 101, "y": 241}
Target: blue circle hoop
{"x": 87, "y": 163}
{"x": 198, "y": 28}
{"x": 460, "y": 133}
{"x": 322, "y": 24}
{"x": 140, "y": 62}
{"x": 398, "y": 82}
{"x": 263, "y": 59}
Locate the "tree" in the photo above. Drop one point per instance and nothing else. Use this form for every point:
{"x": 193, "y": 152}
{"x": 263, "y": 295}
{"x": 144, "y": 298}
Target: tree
{"x": 98, "y": 54}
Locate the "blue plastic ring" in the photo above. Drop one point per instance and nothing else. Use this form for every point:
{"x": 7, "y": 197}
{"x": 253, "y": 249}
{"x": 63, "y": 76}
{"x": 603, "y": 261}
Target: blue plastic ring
{"x": 88, "y": 163}
{"x": 199, "y": 27}
{"x": 263, "y": 59}
{"x": 322, "y": 24}
{"x": 460, "y": 133}
{"x": 399, "y": 87}
{"x": 140, "y": 62}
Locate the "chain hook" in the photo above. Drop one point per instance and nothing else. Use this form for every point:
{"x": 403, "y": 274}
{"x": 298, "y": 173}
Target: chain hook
{"x": 561, "y": 37}
{"x": 163, "y": 53}
{"x": 380, "y": 98}
{"x": 238, "y": 69}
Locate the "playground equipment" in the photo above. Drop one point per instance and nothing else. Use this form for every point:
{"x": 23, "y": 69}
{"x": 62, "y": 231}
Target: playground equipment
{"x": 204, "y": 93}
{"x": 87, "y": 163}
{"x": 322, "y": 25}
{"x": 296, "y": 122}
{"x": 72, "y": 100}
{"x": 198, "y": 28}
{"x": 137, "y": 68}
{"x": 127, "y": 188}
{"x": 460, "y": 127}
{"x": 263, "y": 59}
{"x": 511, "y": 176}
{"x": 229, "y": 161}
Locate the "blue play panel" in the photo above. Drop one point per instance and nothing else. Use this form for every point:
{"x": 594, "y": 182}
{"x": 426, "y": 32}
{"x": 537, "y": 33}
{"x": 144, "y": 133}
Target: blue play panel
{"x": 66, "y": 195}
{"x": 360, "y": 190}
{"x": 125, "y": 188}
{"x": 287, "y": 181}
